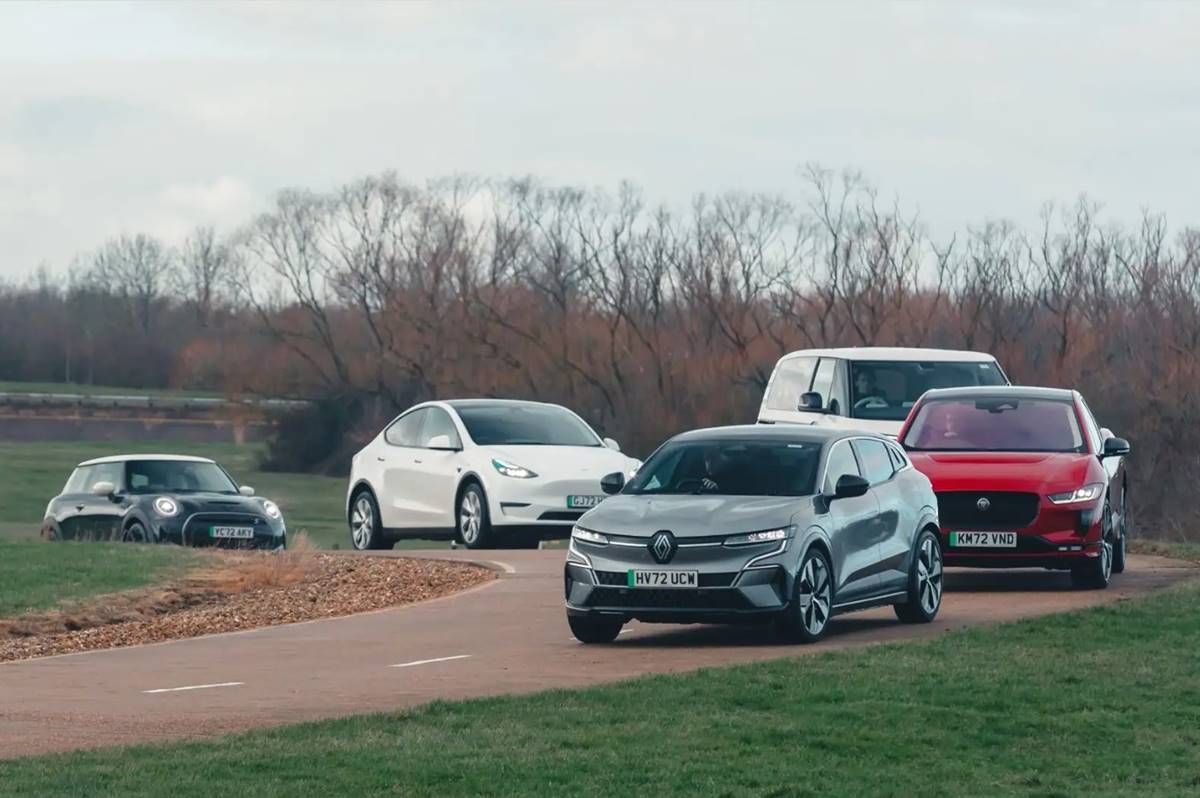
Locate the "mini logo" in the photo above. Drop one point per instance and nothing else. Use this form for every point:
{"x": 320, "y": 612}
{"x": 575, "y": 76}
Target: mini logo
{"x": 983, "y": 505}
{"x": 662, "y": 546}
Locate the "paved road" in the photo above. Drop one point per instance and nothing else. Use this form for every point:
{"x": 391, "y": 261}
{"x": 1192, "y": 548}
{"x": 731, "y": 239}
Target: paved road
{"x": 508, "y": 636}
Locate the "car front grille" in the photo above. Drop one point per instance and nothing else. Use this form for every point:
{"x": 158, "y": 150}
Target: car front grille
{"x": 1005, "y": 510}
{"x": 667, "y": 599}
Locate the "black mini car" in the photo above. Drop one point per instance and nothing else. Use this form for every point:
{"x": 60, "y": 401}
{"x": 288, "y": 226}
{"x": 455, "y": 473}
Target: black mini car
{"x": 154, "y": 498}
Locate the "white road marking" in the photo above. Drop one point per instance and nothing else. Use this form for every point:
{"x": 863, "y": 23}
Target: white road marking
{"x": 429, "y": 661}
{"x": 193, "y": 687}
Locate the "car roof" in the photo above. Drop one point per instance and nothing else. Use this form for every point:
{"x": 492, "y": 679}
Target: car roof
{"x": 124, "y": 458}
{"x": 900, "y": 353}
{"x": 802, "y": 433}
{"x": 461, "y": 403}
{"x": 1001, "y": 391}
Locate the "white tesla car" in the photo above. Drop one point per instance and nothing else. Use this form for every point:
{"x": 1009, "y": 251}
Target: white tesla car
{"x": 488, "y": 472}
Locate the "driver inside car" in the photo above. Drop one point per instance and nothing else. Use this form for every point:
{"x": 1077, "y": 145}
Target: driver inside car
{"x": 866, "y": 392}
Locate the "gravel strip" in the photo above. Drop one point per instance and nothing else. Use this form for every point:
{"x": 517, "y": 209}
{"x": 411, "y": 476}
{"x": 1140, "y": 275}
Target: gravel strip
{"x": 241, "y": 591}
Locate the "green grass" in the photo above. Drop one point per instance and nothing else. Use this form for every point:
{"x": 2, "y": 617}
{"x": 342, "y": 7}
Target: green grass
{"x": 1094, "y": 703}
{"x": 33, "y": 473}
{"x": 97, "y": 390}
{"x": 38, "y": 575}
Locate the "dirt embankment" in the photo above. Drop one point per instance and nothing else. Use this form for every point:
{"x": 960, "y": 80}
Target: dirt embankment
{"x": 238, "y": 591}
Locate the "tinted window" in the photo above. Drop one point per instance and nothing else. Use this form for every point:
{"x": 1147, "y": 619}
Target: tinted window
{"x": 792, "y": 378}
{"x": 823, "y": 381}
{"x": 439, "y": 423}
{"x": 887, "y": 390}
{"x": 998, "y": 424}
{"x": 841, "y": 461}
{"x": 876, "y": 462}
{"x": 75, "y": 484}
{"x": 84, "y": 478}
{"x": 176, "y": 476}
{"x": 730, "y": 468}
{"x": 524, "y": 425}
{"x": 406, "y": 430}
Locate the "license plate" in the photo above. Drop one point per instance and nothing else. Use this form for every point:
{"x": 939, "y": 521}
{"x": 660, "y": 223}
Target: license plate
{"x": 232, "y": 532}
{"x": 584, "y": 502}
{"x": 640, "y": 578}
{"x": 983, "y": 540}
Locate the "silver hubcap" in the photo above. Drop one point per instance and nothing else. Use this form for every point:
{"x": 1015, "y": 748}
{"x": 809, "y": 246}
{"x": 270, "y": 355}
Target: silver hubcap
{"x": 929, "y": 576}
{"x": 470, "y": 517}
{"x": 815, "y": 595}
{"x": 362, "y": 523}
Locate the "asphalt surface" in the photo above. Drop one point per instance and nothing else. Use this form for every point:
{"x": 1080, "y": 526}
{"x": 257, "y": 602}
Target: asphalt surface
{"x": 508, "y": 636}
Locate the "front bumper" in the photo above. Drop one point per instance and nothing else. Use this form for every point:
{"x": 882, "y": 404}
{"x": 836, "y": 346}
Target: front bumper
{"x": 1058, "y": 538}
{"x": 194, "y": 529}
{"x": 539, "y": 502}
{"x": 740, "y": 585}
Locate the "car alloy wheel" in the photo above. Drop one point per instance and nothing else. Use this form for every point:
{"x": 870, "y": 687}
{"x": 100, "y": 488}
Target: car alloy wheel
{"x": 470, "y": 517}
{"x": 1096, "y": 572}
{"x": 135, "y": 533}
{"x": 929, "y": 575}
{"x": 814, "y": 595}
{"x": 362, "y": 522}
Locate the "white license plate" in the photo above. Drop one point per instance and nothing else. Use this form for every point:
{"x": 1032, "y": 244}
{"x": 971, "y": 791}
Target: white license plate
{"x": 983, "y": 540}
{"x": 584, "y": 502}
{"x": 232, "y": 532}
{"x": 641, "y": 578}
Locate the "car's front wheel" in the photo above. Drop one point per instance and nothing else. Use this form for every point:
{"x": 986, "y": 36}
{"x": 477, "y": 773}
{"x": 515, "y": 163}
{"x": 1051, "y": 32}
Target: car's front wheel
{"x": 1119, "y": 547}
{"x": 1095, "y": 572}
{"x": 924, "y": 582}
{"x": 595, "y": 629}
{"x": 366, "y": 531}
{"x": 474, "y": 525}
{"x": 136, "y": 532}
{"x": 807, "y": 616}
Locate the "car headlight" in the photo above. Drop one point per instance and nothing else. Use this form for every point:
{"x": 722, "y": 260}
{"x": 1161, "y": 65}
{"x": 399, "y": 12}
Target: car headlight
{"x": 511, "y": 470}
{"x": 1087, "y": 493}
{"x": 588, "y": 536}
{"x": 166, "y": 507}
{"x": 766, "y": 536}
{"x": 271, "y": 509}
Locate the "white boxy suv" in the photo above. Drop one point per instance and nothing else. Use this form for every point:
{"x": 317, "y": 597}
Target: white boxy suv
{"x": 868, "y": 388}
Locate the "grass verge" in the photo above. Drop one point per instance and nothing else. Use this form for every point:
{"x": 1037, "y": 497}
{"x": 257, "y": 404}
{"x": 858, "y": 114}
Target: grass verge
{"x": 1100, "y": 702}
{"x": 36, "y": 575}
{"x": 99, "y": 390}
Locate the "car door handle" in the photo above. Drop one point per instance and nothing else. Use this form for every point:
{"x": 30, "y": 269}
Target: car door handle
{"x": 417, "y": 460}
{"x": 381, "y": 459}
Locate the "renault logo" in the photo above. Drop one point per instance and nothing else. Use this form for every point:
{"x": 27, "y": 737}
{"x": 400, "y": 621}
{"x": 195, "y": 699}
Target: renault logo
{"x": 662, "y": 546}
{"x": 983, "y": 505}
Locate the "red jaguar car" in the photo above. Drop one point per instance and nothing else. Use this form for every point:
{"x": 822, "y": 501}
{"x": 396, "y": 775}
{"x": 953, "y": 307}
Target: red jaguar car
{"x": 1024, "y": 478}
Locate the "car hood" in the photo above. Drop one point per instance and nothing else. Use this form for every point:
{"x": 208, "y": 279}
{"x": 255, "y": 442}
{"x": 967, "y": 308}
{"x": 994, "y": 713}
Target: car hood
{"x": 560, "y": 461}
{"x": 1037, "y": 472}
{"x": 692, "y": 515}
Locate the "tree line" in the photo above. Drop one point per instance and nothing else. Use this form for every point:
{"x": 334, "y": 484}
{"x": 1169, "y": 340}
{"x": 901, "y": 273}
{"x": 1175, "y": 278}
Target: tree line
{"x": 644, "y": 319}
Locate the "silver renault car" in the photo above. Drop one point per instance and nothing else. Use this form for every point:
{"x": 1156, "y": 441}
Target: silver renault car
{"x": 784, "y": 524}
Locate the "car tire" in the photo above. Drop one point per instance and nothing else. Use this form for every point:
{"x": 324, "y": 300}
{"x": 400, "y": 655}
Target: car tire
{"x": 1119, "y": 548}
{"x": 51, "y": 532}
{"x": 595, "y": 629}
{"x": 474, "y": 525}
{"x": 807, "y": 617}
{"x": 136, "y": 532}
{"x": 366, "y": 531}
{"x": 1096, "y": 572}
{"x": 924, "y": 581}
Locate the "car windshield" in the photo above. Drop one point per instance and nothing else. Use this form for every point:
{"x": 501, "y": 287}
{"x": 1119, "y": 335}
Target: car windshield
{"x": 995, "y": 424}
{"x": 525, "y": 425}
{"x": 887, "y": 390}
{"x": 176, "y": 476}
{"x": 730, "y": 468}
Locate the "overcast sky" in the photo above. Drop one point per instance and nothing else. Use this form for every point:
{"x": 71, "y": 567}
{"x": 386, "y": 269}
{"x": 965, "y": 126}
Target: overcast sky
{"x": 158, "y": 117}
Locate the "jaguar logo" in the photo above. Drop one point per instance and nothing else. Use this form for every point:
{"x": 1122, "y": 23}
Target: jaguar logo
{"x": 662, "y": 546}
{"x": 983, "y": 505}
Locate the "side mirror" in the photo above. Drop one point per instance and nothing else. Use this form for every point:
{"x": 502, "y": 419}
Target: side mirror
{"x": 812, "y": 402}
{"x": 610, "y": 443}
{"x": 612, "y": 483}
{"x": 850, "y": 485}
{"x": 1115, "y": 447}
{"x": 246, "y": 490}
{"x": 103, "y": 489}
{"x": 441, "y": 442}
{"x": 1106, "y": 433}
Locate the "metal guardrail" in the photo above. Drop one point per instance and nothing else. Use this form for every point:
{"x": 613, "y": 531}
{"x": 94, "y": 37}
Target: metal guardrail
{"x": 164, "y": 402}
